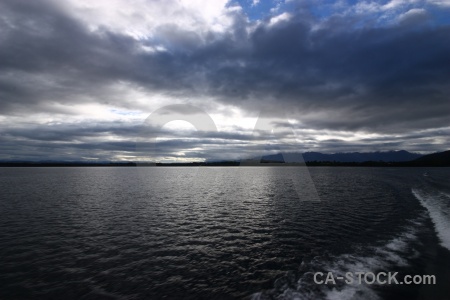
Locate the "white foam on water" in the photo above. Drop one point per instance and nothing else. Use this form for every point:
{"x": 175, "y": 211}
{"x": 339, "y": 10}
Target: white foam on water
{"x": 445, "y": 194}
{"x": 438, "y": 213}
{"x": 354, "y": 293}
{"x": 396, "y": 245}
{"x": 394, "y": 253}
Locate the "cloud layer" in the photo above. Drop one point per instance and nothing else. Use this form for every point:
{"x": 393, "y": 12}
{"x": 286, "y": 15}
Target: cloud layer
{"x": 360, "y": 70}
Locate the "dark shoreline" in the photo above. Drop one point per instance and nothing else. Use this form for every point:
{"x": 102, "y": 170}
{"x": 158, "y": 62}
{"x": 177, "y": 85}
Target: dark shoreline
{"x": 226, "y": 164}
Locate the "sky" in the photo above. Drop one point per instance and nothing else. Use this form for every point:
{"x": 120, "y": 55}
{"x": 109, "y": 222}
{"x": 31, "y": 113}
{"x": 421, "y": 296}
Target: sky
{"x": 194, "y": 80}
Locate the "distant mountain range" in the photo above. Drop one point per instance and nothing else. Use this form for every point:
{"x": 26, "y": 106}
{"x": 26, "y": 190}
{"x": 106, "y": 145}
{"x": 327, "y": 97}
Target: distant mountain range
{"x": 389, "y": 156}
{"x": 400, "y": 158}
{"x": 435, "y": 159}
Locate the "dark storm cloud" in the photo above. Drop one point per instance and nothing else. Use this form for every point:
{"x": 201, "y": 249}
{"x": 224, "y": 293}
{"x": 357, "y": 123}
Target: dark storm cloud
{"x": 366, "y": 78}
{"x": 342, "y": 75}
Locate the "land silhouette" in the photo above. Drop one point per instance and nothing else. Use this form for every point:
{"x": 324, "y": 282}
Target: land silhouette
{"x": 400, "y": 158}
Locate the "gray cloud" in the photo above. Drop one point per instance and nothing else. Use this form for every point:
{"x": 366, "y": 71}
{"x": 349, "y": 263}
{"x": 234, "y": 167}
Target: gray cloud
{"x": 286, "y": 66}
{"x": 341, "y": 75}
{"x": 106, "y": 141}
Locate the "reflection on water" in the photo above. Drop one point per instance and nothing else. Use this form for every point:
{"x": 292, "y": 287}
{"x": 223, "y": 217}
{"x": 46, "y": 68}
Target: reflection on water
{"x": 212, "y": 232}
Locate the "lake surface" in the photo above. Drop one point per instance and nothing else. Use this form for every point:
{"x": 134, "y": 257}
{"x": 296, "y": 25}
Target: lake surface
{"x": 221, "y": 232}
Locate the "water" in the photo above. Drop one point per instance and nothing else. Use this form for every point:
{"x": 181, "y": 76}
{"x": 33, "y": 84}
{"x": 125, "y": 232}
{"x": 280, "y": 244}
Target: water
{"x": 221, "y": 232}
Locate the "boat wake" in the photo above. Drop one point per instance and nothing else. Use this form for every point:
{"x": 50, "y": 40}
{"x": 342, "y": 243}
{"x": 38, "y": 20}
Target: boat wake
{"x": 388, "y": 255}
{"x": 437, "y": 204}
